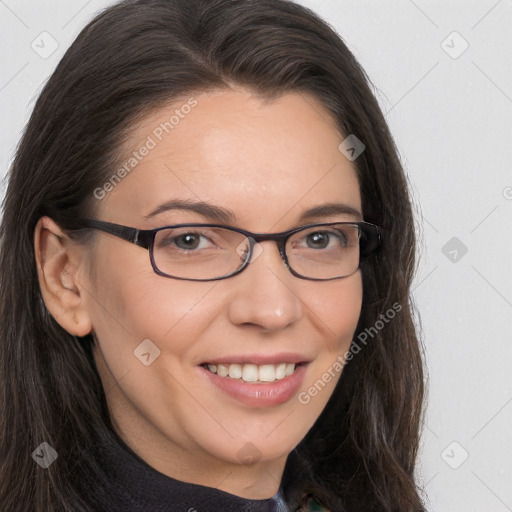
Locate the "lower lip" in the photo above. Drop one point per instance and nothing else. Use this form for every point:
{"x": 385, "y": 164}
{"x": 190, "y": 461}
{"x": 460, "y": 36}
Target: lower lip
{"x": 259, "y": 394}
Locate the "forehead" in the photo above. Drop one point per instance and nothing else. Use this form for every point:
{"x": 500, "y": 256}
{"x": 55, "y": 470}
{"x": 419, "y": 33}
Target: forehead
{"x": 265, "y": 160}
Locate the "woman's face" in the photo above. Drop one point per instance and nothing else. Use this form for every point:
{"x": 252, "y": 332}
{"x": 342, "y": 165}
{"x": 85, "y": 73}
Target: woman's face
{"x": 265, "y": 164}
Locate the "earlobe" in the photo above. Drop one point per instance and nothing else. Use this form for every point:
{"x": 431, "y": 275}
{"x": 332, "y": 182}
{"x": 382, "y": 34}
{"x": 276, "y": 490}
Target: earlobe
{"x": 58, "y": 262}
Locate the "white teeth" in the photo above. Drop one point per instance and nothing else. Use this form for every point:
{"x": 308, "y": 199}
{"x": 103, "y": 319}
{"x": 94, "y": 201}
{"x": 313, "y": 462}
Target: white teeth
{"x": 222, "y": 370}
{"x": 266, "y": 373}
{"x": 280, "y": 371}
{"x": 252, "y": 372}
{"x": 235, "y": 371}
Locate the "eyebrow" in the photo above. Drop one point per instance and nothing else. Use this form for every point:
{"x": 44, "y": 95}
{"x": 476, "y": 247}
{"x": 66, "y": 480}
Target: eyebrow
{"x": 223, "y": 215}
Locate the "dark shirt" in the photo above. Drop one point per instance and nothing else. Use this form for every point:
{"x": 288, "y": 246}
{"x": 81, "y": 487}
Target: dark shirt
{"x": 133, "y": 485}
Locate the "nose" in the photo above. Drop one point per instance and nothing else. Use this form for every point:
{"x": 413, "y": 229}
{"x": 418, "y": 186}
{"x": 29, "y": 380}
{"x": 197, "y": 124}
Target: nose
{"x": 263, "y": 295}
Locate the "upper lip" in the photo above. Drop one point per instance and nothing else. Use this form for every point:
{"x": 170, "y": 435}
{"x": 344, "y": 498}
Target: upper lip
{"x": 259, "y": 359}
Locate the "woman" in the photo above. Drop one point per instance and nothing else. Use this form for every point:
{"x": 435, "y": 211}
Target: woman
{"x": 207, "y": 250}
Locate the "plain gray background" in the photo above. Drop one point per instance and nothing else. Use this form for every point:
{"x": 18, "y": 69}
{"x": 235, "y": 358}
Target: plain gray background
{"x": 442, "y": 71}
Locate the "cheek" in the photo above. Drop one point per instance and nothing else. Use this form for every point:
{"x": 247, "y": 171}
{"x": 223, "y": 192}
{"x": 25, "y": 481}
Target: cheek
{"x": 130, "y": 304}
{"x": 148, "y": 329}
{"x": 336, "y": 313}
{"x": 335, "y": 309}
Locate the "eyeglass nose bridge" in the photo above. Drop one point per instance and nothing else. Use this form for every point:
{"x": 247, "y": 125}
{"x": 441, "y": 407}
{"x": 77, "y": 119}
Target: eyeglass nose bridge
{"x": 257, "y": 238}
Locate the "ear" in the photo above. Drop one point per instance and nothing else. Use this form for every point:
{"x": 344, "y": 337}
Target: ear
{"x": 58, "y": 261}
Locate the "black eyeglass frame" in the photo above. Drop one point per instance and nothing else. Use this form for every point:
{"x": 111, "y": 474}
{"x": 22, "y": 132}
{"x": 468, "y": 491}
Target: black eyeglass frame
{"x": 370, "y": 239}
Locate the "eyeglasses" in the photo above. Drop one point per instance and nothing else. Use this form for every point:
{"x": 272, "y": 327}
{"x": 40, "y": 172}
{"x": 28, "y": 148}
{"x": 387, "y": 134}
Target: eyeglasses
{"x": 210, "y": 252}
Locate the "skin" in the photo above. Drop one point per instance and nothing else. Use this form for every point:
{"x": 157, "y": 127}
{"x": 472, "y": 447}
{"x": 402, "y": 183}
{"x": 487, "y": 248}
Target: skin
{"x": 267, "y": 162}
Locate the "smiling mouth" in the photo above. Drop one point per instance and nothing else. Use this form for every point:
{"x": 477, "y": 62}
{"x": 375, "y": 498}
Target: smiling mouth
{"x": 253, "y": 373}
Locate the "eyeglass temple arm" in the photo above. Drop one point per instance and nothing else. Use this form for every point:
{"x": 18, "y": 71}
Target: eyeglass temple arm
{"x": 138, "y": 237}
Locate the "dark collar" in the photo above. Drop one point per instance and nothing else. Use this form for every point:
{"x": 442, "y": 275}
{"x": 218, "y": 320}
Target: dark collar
{"x": 130, "y": 484}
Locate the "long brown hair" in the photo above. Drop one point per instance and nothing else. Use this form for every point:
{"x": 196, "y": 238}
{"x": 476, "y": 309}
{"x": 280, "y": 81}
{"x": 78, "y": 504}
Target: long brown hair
{"x": 131, "y": 59}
